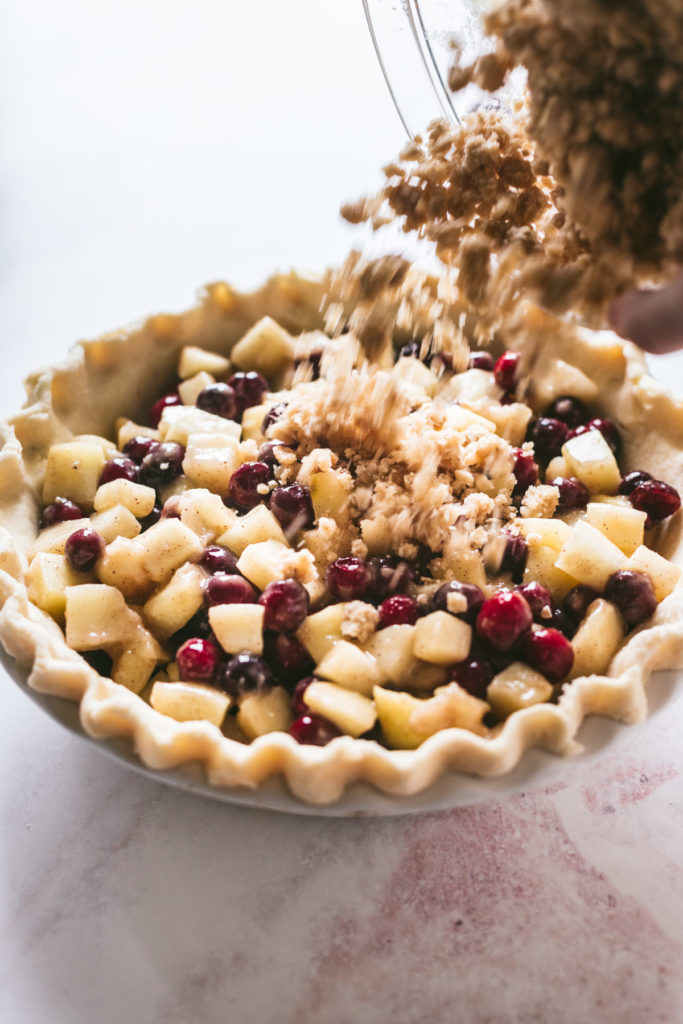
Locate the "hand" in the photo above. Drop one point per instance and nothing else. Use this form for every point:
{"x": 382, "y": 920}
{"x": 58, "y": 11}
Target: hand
{"x": 651, "y": 319}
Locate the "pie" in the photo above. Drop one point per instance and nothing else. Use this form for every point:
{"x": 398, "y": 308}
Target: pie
{"x": 233, "y": 540}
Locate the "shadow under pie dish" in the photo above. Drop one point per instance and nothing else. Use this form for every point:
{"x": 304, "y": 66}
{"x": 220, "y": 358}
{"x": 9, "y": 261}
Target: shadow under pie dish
{"x": 333, "y": 573}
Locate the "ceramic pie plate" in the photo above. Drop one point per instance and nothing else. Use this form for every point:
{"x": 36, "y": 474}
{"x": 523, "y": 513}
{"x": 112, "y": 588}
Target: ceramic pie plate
{"x": 96, "y": 384}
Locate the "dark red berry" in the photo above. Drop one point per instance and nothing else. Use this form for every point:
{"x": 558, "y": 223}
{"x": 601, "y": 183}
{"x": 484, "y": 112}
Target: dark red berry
{"x": 658, "y": 499}
{"x": 525, "y": 471}
{"x": 244, "y": 673}
{"x": 349, "y": 578}
{"x": 631, "y": 480}
{"x": 272, "y": 416}
{"x": 287, "y": 657}
{"x": 578, "y": 600}
{"x": 266, "y": 453}
{"x": 540, "y": 601}
{"x": 61, "y": 510}
{"x": 119, "y": 468}
{"x": 573, "y": 494}
{"x": 465, "y": 600}
{"x": 481, "y": 361}
{"x": 165, "y": 402}
{"x": 312, "y": 362}
{"x": 249, "y": 389}
{"x": 153, "y": 517}
{"x": 218, "y": 559}
{"x": 633, "y": 594}
{"x": 392, "y": 576}
{"x": 398, "y": 610}
{"x": 508, "y": 398}
{"x": 503, "y": 619}
{"x": 474, "y": 675}
{"x": 245, "y": 484}
{"x": 224, "y": 588}
{"x": 83, "y": 548}
{"x": 605, "y": 427}
{"x": 505, "y": 370}
{"x": 219, "y": 399}
{"x": 314, "y": 729}
{"x": 549, "y": 652}
{"x": 562, "y": 622}
{"x": 286, "y": 605}
{"x": 515, "y": 556}
{"x": 198, "y": 659}
{"x": 299, "y": 706}
{"x": 163, "y": 465}
{"x": 411, "y": 350}
{"x": 548, "y": 436}
{"x": 138, "y": 447}
{"x": 570, "y": 410}
{"x": 293, "y": 508}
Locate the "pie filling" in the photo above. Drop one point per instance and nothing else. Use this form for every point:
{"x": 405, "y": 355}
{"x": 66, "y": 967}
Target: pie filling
{"x": 299, "y": 540}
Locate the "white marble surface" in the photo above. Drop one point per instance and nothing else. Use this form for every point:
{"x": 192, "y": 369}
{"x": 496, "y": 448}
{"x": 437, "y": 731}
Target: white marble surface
{"x": 147, "y": 148}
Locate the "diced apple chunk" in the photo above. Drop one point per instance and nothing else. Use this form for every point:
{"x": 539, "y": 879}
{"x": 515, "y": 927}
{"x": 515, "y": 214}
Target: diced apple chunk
{"x": 517, "y": 686}
{"x": 137, "y": 498}
{"x": 266, "y": 347}
{"x": 451, "y": 707}
{"x": 511, "y": 421}
{"x": 349, "y": 666}
{"x": 48, "y": 577}
{"x": 589, "y": 557}
{"x": 135, "y": 660}
{"x": 97, "y": 616}
{"x": 394, "y": 711}
{"x": 558, "y": 377}
{"x": 123, "y": 566}
{"x": 442, "y": 639}
{"x": 597, "y": 639}
{"x": 330, "y": 493}
{"x": 167, "y": 545}
{"x": 190, "y": 702}
{"x": 194, "y": 360}
{"x": 173, "y": 606}
{"x": 557, "y": 467}
{"x": 190, "y": 389}
{"x": 415, "y": 374}
{"x": 541, "y": 568}
{"x": 126, "y": 430}
{"x": 319, "y": 632}
{"x": 115, "y": 522}
{"x": 73, "y": 471}
{"x": 266, "y": 712}
{"x": 622, "y": 524}
{"x": 258, "y": 525}
{"x": 392, "y": 649}
{"x": 469, "y": 386}
{"x": 591, "y": 460}
{"x": 252, "y": 421}
{"x": 109, "y": 449}
{"x": 238, "y": 627}
{"x": 179, "y": 421}
{"x": 353, "y": 713}
{"x": 663, "y": 573}
{"x": 204, "y": 513}
{"x": 262, "y": 563}
{"x": 210, "y": 460}
{"x": 53, "y": 539}
{"x": 551, "y": 533}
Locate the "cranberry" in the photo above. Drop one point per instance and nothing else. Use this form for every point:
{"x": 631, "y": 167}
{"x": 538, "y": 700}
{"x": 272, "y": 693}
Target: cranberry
{"x": 219, "y": 399}
{"x": 224, "y": 588}
{"x": 605, "y": 427}
{"x": 398, "y": 610}
{"x": 153, "y": 517}
{"x": 249, "y": 389}
{"x": 658, "y": 499}
{"x": 548, "y": 436}
{"x": 570, "y": 410}
{"x": 525, "y": 470}
{"x": 138, "y": 447}
{"x": 293, "y": 508}
{"x": 286, "y": 605}
{"x": 632, "y": 480}
{"x": 578, "y": 600}
{"x": 119, "y": 468}
{"x": 515, "y": 556}
{"x": 508, "y": 398}
{"x": 539, "y": 600}
{"x": 573, "y": 494}
{"x": 314, "y": 729}
{"x": 244, "y": 673}
{"x": 272, "y": 416}
{"x": 83, "y": 548}
{"x": 391, "y": 576}
{"x": 198, "y": 660}
{"x": 196, "y": 628}
{"x": 633, "y": 594}
{"x": 349, "y": 578}
{"x": 299, "y": 706}
{"x": 266, "y": 453}
{"x": 245, "y": 483}
{"x": 474, "y": 675}
{"x": 480, "y": 361}
{"x": 505, "y": 370}
{"x": 503, "y": 619}
{"x": 61, "y": 510}
{"x": 218, "y": 559}
{"x": 163, "y": 465}
{"x": 549, "y": 652}
{"x": 165, "y": 402}
{"x": 562, "y": 622}
{"x": 411, "y": 350}
{"x": 287, "y": 657}
{"x": 467, "y": 592}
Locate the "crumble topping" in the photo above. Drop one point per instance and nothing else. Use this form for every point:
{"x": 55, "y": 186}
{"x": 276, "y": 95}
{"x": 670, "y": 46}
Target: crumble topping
{"x": 539, "y": 502}
{"x": 360, "y": 620}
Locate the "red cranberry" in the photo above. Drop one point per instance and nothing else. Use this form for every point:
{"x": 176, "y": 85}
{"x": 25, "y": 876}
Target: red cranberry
{"x": 633, "y": 594}
{"x": 299, "y": 706}
{"x": 469, "y": 592}
{"x": 549, "y": 652}
{"x": 138, "y": 447}
{"x": 578, "y": 600}
{"x": 153, "y": 517}
{"x": 244, "y": 673}
{"x": 349, "y": 578}
{"x": 411, "y": 350}
{"x": 286, "y": 605}
{"x": 474, "y": 675}
{"x": 163, "y": 465}
{"x": 525, "y": 470}
{"x": 196, "y": 628}
{"x": 573, "y": 494}
{"x": 539, "y": 600}
{"x": 480, "y": 361}
{"x": 398, "y": 610}
{"x": 570, "y": 410}
{"x": 605, "y": 427}
{"x": 631, "y": 480}
{"x": 505, "y": 370}
{"x": 198, "y": 660}
{"x": 61, "y": 510}
{"x": 515, "y": 556}
{"x": 503, "y": 619}
{"x": 392, "y": 576}
{"x": 249, "y": 389}
{"x": 272, "y": 416}
{"x": 548, "y": 436}
{"x": 245, "y": 483}
{"x": 83, "y": 548}
{"x": 219, "y": 399}
{"x": 228, "y": 589}
{"x": 658, "y": 499}
{"x": 562, "y": 622}
{"x": 293, "y": 508}
{"x": 165, "y": 402}
{"x": 314, "y": 729}
{"x": 119, "y": 468}
{"x": 508, "y": 398}
{"x": 218, "y": 559}
{"x": 266, "y": 453}
{"x": 287, "y": 657}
